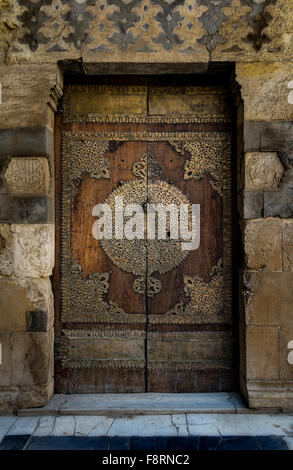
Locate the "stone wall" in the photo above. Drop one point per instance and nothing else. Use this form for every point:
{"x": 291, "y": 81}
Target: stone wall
{"x": 27, "y": 233}
{"x": 266, "y": 209}
{"x": 38, "y": 38}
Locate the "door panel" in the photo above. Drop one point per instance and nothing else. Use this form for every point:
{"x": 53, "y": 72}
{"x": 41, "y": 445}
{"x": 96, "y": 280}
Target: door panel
{"x": 144, "y": 315}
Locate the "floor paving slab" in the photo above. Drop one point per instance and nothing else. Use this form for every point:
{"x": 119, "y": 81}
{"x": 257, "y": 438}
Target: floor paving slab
{"x": 245, "y": 425}
{"x": 173, "y": 443}
{"x": 208, "y": 442}
{"x": 180, "y": 423}
{"x": 271, "y": 443}
{"x": 14, "y": 442}
{"x": 45, "y": 426}
{"x": 148, "y": 443}
{"x": 239, "y": 443}
{"x": 6, "y": 422}
{"x": 68, "y": 443}
{"x": 203, "y": 430}
{"x": 92, "y": 425}
{"x": 149, "y": 432}
{"x": 64, "y": 426}
{"x": 119, "y": 443}
{"x": 289, "y": 442}
{"x": 23, "y": 426}
{"x": 146, "y": 425}
{"x": 142, "y": 443}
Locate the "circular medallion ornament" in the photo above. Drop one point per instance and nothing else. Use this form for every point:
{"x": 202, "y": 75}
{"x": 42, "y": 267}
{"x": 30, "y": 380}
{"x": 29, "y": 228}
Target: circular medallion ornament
{"x": 141, "y": 256}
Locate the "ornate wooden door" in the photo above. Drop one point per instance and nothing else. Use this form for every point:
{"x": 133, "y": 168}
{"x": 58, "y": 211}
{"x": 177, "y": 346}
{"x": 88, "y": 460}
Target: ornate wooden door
{"x": 143, "y": 315}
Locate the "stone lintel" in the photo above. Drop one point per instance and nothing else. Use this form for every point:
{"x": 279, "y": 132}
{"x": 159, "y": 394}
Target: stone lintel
{"x": 100, "y": 68}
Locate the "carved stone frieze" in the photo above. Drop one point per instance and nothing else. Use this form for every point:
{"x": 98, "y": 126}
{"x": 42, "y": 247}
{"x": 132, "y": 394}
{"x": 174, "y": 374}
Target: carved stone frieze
{"x": 152, "y": 28}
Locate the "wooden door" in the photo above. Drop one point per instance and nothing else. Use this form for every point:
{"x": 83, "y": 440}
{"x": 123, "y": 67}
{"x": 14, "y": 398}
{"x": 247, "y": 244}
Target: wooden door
{"x": 143, "y": 315}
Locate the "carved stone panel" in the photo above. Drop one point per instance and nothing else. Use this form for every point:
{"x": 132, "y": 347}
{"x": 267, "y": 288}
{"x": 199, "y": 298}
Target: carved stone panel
{"x": 27, "y": 175}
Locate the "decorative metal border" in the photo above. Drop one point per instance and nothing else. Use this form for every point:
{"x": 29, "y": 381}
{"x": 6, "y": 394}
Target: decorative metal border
{"x": 105, "y": 364}
{"x": 104, "y": 334}
{"x": 106, "y": 89}
{"x": 198, "y": 365}
{"x": 144, "y": 119}
{"x": 151, "y": 366}
{"x": 128, "y": 318}
{"x": 144, "y": 89}
{"x": 145, "y": 136}
{"x": 188, "y": 335}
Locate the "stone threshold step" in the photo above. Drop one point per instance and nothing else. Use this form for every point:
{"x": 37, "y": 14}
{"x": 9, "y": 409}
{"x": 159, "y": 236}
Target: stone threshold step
{"x": 139, "y": 404}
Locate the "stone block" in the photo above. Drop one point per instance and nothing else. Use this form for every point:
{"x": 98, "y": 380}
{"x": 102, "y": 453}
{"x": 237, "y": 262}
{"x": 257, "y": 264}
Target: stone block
{"x": 26, "y": 209}
{"x": 32, "y": 358}
{"x": 252, "y": 136}
{"x": 288, "y": 246}
{"x": 27, "y": 175}
{"x": 28, "y": 95}
{"x": 250, "y": 204}
{"x": 268, "y": 297}
{"x": 27, "y": 141}
{"x": 18, "y": 296}
{"x": 34, "y": 395}
{"x": 36, "y": 320}
{"x": 8, "y": 398}
{"x": 6, "y": 250}
{"x": 14, "y": 398}
{"x": 4, "y": 161}
{"x": 264, "y": 89}
{"x": 14, "y": 301}
{"x": 263, "y": 170}
{"x": 279, "y": 204}
{"x": 277, "y": 136}
{"x": 262, "y": 244}
{"x": 242, "y": 349}
{"x": 274, "y": 394}
{"x": 268, "y": 136}
{"x": 6, "y": 363}
{"x": 33, "y": 250}
{"x": 286, "y": 350}
{"x": 262, "y": 352}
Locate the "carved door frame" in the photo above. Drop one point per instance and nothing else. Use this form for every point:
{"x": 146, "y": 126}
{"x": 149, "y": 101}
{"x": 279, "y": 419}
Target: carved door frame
{"x": 56, "y": 279}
